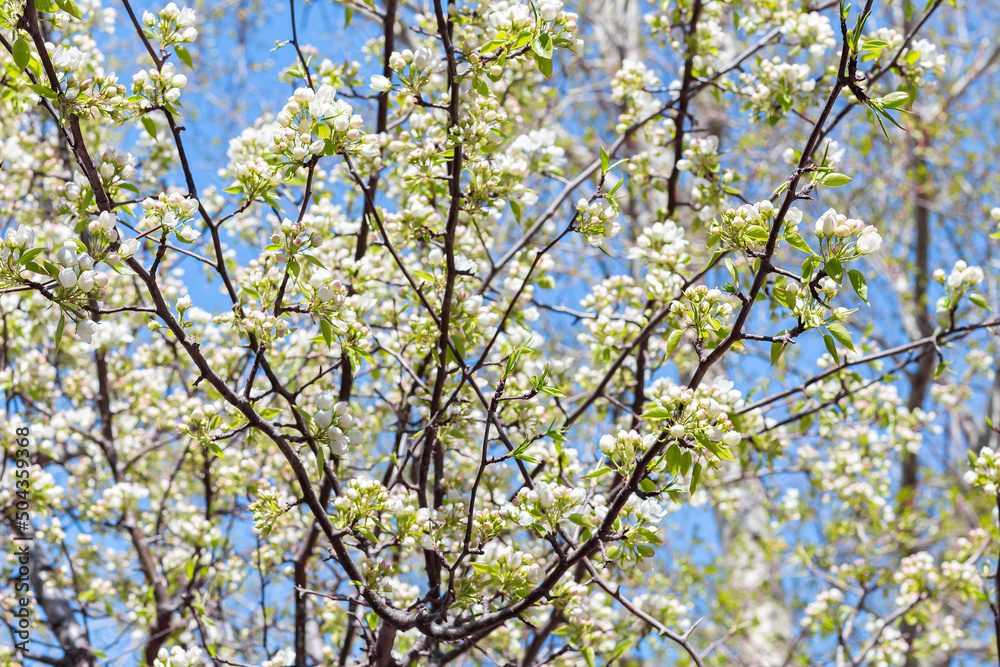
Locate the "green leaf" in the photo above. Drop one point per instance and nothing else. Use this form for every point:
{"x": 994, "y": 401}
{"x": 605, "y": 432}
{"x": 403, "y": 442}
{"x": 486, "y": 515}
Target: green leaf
{"x": 544, "y": 66}
{"x": 516, "y": 208}
{"x": 30, "y": 254}
{"x": 842, "y": 335}
{"x": 481, "y": 87}
{"x": 22, "y": 53}
{"x": 69, "y": 6}
{"x": 44, "y": 91}
{"x": 658, "y": 413}
{"x": 599, "y": 472}
{"x": 184, "y": 56}
{"x": 835, "y": 269}
{"x": 588, "y": 655}
{"x": 796, "y": 241}
{"x": 831, "y": 347}
{"x": 835, "y": 180}
{"x": 673, "y": 340}
{"x": 320, "y": 459}
{"x": 645, "y": 550}
{"x": 894, "y": 100}
{"x": 777, "y": 349}
{"x": 731, "y": 266}
{"x": 874, "y": 44}
{"x": 150, "y": 126}
{"x": 492, "y": 45}
{"x": 605, "y": 161}
{"x": 542, "y": 46}
{"x": 695, "y": 476}
{"x": 327, "y": 330}
{"x": 60, "y": 328}
{"x": 979, "y": 300}
{"x": 859, "y": 284}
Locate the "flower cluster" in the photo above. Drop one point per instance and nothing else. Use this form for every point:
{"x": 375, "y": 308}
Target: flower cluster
{"x": 170, "y": 213}
{"x": 335, "y": 420}
{"x": 96, "y": 95}
{"x": 329, "y": 290}
{"x": 416, "y": 526}
{"x": 177, "y": 656}
{"x": 775, "y": 87}
{"x": 269, "y": 506}
{"x": 115, "y": 169}
{"x": 960, "y": 282}
{"x": 745, "y": 227}
{"x": 809, "y": 29}
{"x": 662, "y": 249}
{"x": 817, "y": 610}
{"x": 291, "y": 237}
{"x": 596, "y": 221}
{"x": 158, "y": 87}
{"x": 509, "y": 569}
{"x": 683, "y": 412}
{"x": 622, "y": 448}
{"x": 916, "y": 575}
{"x": 630, "y": 87}
{"x": 317, "y": 123}
{"x": 79, "y": 273}
{"x": 413, "y": 68}
{"x": 703, "y": 310}
{"x": 15, "y": 251}
{"x": 836, "y": 231}
{"x": 360, "y": 503}
{"x": 264, "y": 325}
{"x": 171, "y": 25}
{"x": 701, "y": 155}
{"x": 543, "y": 506}
{"x": 985, "y": 470}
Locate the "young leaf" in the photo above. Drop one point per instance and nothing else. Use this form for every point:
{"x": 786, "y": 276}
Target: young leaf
{"x": 150, "y": 126}
{"x": 831, "y": 347}
{"x": 673, "y": 340}
{"x": 60, "y": 329}
{"x": 842, "y": 335}
{"x": 542, "y": 46}
{"x": 544, "y": 66}
{"x": 731, "y": 265}
{"x": 777, "y": 349}
{"x": 44, "y": 91}
{"x": 796, "y": 241}
{"x": 22, "y": 53}
{"x": 835, "y": 270}
{"x": 695, "y": 476}
{"x": 859, "y": 284}
{"x": 69, "y": 6}
{"x": 979, "y": 300}
{"x": 835, "y": 180}
{"x": 184, "y": 56}
{"x": 894, "y": 100}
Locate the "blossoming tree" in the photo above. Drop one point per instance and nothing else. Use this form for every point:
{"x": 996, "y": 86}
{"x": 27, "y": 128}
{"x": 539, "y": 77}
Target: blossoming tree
{"x": 604, "y": 334}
